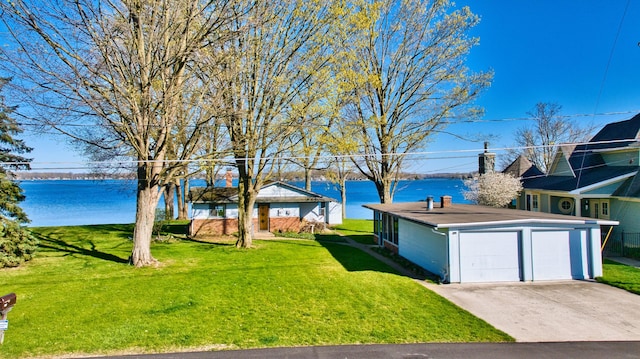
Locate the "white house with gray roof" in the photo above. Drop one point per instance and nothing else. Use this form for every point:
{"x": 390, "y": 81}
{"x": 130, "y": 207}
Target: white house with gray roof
{"x": 470, "y": 243}
{"x": 280, "y": 207}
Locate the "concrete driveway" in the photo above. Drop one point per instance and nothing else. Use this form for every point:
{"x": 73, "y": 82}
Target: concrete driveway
{"x": 551, "y": 311}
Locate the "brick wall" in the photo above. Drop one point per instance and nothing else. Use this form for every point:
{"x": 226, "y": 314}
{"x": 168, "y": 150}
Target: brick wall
{"x": 390, "y": 246}
{"x": 226, "y": 226}
{"x": 285, "y": 224}
{"x": 216, "y": 226}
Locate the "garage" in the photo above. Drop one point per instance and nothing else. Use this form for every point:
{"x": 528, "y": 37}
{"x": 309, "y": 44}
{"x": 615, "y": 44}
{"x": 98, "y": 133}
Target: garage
{"x": 490, "y": 257}
{"x": 551, "y": 255}
{"x": 464, "y": 243}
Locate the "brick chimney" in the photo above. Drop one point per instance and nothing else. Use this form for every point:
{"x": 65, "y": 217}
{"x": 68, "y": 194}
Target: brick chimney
{"x": 445, "y": 201}
{"x": 229, "y": 178}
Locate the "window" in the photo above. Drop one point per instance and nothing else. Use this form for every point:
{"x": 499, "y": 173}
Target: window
{"x": 323, "y": 209}
{"x": 216, "y": 210}
{"x": 605, "y": 209}
{"x": 534, "y": 203}
{"x": 376, "y": 222}
{"x": 565, "y": 205}
{"x": 395, "y": 230}
{"x": 389, "y": 228}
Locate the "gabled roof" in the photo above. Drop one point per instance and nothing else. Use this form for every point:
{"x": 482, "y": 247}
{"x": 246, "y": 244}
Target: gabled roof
{"x": 522, "y": 167}
{"x": 586, "y": 163}
{"x": 630, "y": 188}
{"x": 561, "y": 165}
{"x": 224, "y": 195}
{"x": 584, "y": 179}
{"x": 616, "y": 135}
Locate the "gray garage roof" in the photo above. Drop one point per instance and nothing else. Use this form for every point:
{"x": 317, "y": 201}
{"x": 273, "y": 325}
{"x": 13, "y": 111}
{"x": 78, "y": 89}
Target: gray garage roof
{"x": 466, "y": 215}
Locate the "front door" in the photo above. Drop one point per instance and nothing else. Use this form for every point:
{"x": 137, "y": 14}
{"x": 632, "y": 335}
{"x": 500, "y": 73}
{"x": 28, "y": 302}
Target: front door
{"x": 263, "y": 217}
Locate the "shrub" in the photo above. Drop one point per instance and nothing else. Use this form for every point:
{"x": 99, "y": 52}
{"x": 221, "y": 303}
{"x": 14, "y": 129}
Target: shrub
{"x": 313, "y": 227}
{"x": 17, "y": 244}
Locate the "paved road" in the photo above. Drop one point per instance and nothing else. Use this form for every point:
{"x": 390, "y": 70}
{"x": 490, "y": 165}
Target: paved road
{"x": 578, "y": 350}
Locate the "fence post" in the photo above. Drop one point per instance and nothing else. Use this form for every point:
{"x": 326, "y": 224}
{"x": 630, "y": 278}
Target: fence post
{"x": 622, "y": 244}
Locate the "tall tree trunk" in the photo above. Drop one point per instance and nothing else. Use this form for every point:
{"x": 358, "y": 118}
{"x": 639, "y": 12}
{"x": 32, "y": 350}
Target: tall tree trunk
{"x": 383, "y": 186}
{"x": 343, "y": 196}
{"x": 246, "y": 201}
{"x": 169, "y": 200}
{"x": 183, "y": 193}
{"x": 307, "y": 179}
{"x": 146, "y": 203}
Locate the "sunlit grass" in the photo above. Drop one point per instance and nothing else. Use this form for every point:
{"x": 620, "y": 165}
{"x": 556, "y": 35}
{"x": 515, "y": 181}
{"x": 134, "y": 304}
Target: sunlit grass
{"x": 621, "y": 276}
{"x": 79, "y": 296}
{"x": 360, "y": 230}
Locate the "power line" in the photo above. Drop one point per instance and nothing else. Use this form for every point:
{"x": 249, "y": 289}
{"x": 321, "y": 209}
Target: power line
{"x": 411, "y": 156}
{"x": 219, "y": 123}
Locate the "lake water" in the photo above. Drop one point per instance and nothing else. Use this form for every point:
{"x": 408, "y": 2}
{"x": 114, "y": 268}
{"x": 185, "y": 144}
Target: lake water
{"x": 78, "y": 202}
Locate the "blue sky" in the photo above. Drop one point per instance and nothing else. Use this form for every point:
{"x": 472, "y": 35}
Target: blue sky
{"x": 547, "y": 51}
{"x": 541, "y": 51}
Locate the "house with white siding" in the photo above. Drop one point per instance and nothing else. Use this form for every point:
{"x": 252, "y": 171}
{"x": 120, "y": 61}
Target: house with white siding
{"x": 470, "y": 243}
{"x": 280, "y": 207}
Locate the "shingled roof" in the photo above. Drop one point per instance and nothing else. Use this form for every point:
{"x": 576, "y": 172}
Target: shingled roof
{"x": 522, "y": 167}
{"x": 224, "y": 195}
{"x": 615, "y": 135}
{"x": 588, "y": 165}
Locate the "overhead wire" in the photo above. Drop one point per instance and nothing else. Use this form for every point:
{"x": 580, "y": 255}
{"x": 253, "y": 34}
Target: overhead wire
{"x": 410, "y": 156}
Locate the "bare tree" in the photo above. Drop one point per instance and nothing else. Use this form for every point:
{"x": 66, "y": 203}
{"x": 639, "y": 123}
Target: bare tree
{"x": 539, "y": 141}
{"x": 265, "y": 70}
{"x": 405, "y": 67}
{"x": 116, "y": 67}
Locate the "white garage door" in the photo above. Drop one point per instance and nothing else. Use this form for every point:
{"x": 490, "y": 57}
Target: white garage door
{"x": 489, "y": 256}
{"x": 551, "y": 257}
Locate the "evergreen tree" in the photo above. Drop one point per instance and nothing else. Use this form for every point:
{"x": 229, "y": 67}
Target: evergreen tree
{"x": 16, "y": 242}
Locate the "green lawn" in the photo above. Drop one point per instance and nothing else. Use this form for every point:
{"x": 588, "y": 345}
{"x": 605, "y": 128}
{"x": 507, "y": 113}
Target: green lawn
{"x": 360, "y": 230}
{"x": 621, "y": 276}
{"x": 79, "y": 296}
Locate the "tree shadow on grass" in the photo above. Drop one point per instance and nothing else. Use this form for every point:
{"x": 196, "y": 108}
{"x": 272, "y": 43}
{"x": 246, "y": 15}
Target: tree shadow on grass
{"x": 55, "y": 244}
{"x": 212, "y": 241}
{"x": 363, "y": 238}
{"x": 179, "y": 228}
{"x": 355, "y": 260}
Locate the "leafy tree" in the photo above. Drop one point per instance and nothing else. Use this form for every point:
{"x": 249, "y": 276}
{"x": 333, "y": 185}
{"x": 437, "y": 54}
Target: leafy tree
{"x": 538, "y": 142}
{"x": 16, "y": 242}
{"x": 403, "y": 63}
{"x": 261, "y": 75}
{"x": 114, "y": 75}
{"x": 310, "y": 115}
{"x": 493, "y": 189}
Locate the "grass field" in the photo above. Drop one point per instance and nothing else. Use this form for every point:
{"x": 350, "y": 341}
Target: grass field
{"x": 621, "y": 276}
{"x": 79, "y": 296}
{"x": 360, "y": 230}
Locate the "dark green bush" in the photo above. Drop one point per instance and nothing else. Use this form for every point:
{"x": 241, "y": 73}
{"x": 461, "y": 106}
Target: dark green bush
{"x": 17, "y": 244}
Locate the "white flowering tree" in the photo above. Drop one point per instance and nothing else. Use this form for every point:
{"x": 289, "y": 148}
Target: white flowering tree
{"x": 493, "y": 189}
